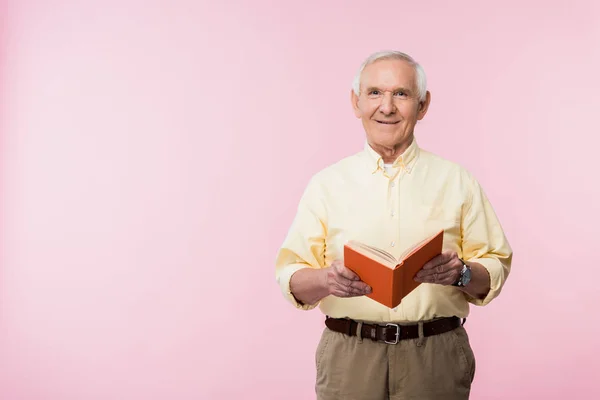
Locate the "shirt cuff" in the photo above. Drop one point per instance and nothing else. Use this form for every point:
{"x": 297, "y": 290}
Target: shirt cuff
{"x": 497, "y": 272}
{"x": 284, "y": 276}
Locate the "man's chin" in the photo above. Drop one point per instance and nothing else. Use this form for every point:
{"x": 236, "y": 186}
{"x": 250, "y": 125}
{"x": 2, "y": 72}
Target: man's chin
{"x": 388, "y": 139}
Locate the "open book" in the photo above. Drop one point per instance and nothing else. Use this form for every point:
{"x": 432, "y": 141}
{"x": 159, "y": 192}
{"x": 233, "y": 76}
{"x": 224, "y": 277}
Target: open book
{"x": 391, "y": 279}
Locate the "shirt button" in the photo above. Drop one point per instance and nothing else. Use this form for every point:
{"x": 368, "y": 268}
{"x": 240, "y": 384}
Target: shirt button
{"x": 393, "y": 243}
{"x": 393, "y": 184}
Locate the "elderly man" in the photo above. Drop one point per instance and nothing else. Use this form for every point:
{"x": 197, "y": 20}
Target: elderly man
{"x": 391, "y": 195}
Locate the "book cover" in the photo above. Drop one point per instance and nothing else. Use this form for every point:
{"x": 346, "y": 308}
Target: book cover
{"x": 391, "y": 279}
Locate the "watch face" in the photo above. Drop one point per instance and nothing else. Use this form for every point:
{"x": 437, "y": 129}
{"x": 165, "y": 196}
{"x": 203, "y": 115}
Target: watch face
{"x": 466, "y": 278}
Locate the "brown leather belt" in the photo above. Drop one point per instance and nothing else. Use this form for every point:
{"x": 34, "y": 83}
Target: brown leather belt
{"x": 392, "y": 333}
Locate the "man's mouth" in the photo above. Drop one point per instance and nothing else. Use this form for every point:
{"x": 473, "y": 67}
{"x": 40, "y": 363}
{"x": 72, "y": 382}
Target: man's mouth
{"x": 388, "y": 122}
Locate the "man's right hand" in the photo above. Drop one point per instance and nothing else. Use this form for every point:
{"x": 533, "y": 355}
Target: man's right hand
{"x": 310, "y": 285}
{"x": 342, "y": 282}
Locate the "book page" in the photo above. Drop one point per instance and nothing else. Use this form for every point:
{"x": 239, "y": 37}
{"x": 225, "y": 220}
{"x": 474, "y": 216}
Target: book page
{"x": 373, "y": 252}
{"x": 413, "y": 248}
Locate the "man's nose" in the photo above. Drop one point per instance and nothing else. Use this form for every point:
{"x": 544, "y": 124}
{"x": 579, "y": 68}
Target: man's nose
{"x": 387, "y": 104}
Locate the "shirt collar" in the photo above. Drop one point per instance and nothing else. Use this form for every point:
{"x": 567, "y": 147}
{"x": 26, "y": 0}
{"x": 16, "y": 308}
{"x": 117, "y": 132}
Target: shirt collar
{"x": 404, "y": 161}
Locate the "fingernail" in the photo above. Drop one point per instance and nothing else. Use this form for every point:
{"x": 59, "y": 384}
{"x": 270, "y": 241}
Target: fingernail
{"x": 368, "y": 289}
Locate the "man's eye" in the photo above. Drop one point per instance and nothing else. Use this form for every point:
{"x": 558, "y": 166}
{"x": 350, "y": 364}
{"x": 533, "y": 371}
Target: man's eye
{"x": 374, "y": 92}
{"x": 402, "y": 94}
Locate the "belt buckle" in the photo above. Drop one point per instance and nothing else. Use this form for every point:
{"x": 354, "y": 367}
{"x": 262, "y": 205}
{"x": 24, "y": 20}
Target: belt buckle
{"x": 397, "y": 334}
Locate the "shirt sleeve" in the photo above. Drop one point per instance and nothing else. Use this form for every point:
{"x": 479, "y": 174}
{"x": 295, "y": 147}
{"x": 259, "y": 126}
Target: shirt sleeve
{"x": 304, "y": 245}
{"x": 484, "y": 242}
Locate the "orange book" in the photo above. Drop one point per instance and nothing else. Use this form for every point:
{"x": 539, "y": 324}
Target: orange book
{"x": 390, "y": 279}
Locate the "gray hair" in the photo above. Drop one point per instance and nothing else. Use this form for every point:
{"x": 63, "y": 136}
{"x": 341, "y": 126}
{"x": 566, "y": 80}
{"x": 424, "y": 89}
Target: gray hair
{"x": 394, "y": 55}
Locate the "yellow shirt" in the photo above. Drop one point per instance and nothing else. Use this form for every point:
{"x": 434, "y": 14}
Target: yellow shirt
{"x": 356, "y": 199}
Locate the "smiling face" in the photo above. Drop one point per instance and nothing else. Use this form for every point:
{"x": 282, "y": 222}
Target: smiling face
{"x": 389, "y": 106}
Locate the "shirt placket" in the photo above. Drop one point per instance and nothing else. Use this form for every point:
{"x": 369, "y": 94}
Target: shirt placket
{"x": 393, "y": 210}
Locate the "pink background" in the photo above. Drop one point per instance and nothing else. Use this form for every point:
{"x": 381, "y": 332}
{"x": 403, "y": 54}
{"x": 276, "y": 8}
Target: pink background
{"x": 153, "y": 154}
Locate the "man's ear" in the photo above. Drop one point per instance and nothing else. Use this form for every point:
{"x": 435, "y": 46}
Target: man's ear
{"x": 354, "y": 99}
{"x": 424, "y": 106}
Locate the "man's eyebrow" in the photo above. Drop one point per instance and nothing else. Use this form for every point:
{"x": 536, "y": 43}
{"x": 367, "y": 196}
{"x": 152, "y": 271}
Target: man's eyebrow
{"x": 398, "y": 89}
{"x": 405, "y": 90}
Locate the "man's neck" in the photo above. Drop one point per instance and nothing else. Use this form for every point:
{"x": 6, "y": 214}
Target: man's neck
{"x": 390, "y": 154}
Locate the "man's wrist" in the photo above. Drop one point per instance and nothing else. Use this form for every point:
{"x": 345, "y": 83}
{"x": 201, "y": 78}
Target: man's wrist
{"x": 323, "y": 282}
{"x": 464, "y": 278}
{"x": 479, "y": 285}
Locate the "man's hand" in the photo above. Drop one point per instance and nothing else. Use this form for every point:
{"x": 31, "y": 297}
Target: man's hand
{"x": 342, "y": 282}
{"x": 443, "y": 269}
{"x": 310, "y": 285}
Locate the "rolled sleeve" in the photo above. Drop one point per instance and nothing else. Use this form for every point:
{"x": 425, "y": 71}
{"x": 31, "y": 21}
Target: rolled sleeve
{"x": 498, "y": 272}
{"x": 284, "y": 276}
{"x": 304, "y": 245}
{"x": 485, "y": 243}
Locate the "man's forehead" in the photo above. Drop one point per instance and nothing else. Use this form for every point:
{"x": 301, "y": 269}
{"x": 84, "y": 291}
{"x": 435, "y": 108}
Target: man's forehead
{"x": 388, "y": 72}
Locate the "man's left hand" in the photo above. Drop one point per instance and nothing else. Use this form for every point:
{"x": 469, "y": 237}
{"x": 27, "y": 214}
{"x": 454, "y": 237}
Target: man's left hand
{"x": 443, "y": 269}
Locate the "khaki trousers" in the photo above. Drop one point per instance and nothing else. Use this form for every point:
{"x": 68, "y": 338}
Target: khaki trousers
{"x": 434, "y": 367}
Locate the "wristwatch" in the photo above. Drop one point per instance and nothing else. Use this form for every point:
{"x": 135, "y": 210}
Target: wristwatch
{"x": 465, "y": 275}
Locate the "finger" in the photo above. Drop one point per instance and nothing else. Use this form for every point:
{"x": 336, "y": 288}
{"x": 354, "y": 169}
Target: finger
{"x": 434, "y": 262}
{"x": 444, "y": 278}
{"x": 336, "y": 281}
{"x": 447, "y": 278}
{"x": 356, "y": 288}
{"x": 345, "y": 272}
{"x": 342, "y": 280}
{"x": 439, "y": 269}
{"x": 345, "y": 293}
{"x": 354, "y": 291}
{"x": 360, "y": 287}
{"x": 440, "y": 259}
{"x": 344, "y": 287}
